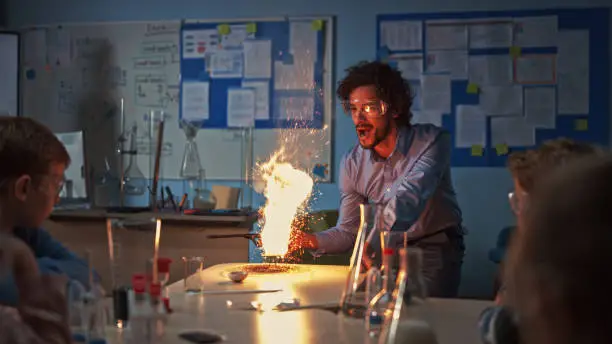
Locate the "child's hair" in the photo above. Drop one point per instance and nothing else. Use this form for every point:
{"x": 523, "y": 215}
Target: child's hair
{"x": 558, "y": 266}
{"x": 28, "y": 148}
{"x": 528, "y": 166}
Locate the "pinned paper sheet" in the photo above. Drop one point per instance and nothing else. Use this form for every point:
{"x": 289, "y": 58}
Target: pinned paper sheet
{"x": 515, "y": 51}
{"x": 497, "y": 34}
{"x": 317, "y": 25}
{"x": 490, "y": 70}
{"x": 470, "y": 127}
{"x": 581, "y": 125}
{"x": 401, "y": 34}
{"x": 512, "y": 131}
{"x": 240, "y": 107}
{"x": 472, "y": 89}
{"x": 257, "y": 59}
{"x": 251, "y": 28}
{"x": 411, "y": 65}
{"x": 436, "y": 93}
{"x": 501, "y": 149}
{"x": 224, "y": 29}
{"x": 454, "y": 62}
{"x": 195, "y": 101}
{"x": 477, "y": 150}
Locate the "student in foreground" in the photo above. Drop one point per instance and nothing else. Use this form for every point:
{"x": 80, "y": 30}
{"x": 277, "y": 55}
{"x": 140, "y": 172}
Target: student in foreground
{"x": 32, "y": 163}
{"x": 41, "y": 313}
{"x": 558, "y": 268}
{"x": 531, "y": 167}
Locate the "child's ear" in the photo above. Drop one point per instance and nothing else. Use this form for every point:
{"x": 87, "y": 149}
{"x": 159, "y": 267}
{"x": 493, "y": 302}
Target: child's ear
{"x": 23, "y": 186}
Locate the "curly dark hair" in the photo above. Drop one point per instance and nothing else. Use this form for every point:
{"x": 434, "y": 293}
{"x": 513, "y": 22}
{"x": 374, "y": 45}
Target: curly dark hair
{"x": 390, "y": 87}
{"x": 529, "y": 166}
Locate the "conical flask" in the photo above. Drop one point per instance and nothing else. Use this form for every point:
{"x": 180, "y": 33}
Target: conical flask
{"x": 349, "y": 303}
{"x": 191, "y": 166}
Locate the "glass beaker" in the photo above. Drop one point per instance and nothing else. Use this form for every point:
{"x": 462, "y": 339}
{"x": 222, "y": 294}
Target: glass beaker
{"x": 191, "y": 166}
{"x": 128, "y": 238}
{"x": 192, "y": 280}
{"x": 75, "y": 296}
{"x": 350, "y": 303}
{"x": 203, "y": 198}
{"x": 134, "y": 181}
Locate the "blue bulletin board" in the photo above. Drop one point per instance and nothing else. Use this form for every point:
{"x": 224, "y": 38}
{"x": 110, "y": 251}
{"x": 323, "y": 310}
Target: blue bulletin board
{"x": 278, "y": 64}
{"x": 504, "y": 81}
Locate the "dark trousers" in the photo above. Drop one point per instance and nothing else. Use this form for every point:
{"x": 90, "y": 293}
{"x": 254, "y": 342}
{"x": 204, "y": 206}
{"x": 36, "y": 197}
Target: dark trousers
{"x": 442, "y": 263}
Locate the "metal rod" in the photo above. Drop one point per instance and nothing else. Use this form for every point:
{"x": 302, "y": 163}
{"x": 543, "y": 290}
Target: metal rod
{"x": 158, "y": 152}
{"x": 121, "y": 151}
{"x": 242, "y": 166}
{"x": 249, "y": 169}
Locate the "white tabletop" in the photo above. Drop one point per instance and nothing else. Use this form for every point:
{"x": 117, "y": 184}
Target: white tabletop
{"x": 454, "y": 320}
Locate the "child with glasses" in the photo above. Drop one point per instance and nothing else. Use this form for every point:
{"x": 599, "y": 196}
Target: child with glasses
{"x": 33, "y": 163}
{"x": 531, "y": 167}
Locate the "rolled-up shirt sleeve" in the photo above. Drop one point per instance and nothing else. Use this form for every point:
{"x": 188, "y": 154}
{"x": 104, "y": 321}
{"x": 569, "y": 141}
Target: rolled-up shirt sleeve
{"x": 418, "y": 185}
{"x": 341, "y": 238}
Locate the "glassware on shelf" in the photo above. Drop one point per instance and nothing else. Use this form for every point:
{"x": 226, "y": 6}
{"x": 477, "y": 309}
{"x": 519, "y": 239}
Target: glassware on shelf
{"x": 204, "y": 198}
{"x": 134, "y": 182}
{"x": 107, "y": 187}
{"x": 191, "y": 166}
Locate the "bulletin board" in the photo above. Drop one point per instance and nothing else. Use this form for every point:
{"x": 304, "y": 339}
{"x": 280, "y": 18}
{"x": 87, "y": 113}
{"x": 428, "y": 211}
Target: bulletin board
{"x": 275, "y": 67}
{"x": 504, "y": 81}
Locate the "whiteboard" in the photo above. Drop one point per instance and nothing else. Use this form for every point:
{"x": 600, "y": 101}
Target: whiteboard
{"x": 89, "y": 68}
{"x": 9, "y": 74}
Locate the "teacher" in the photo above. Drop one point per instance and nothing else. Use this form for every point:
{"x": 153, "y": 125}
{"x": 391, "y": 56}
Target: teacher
{"x": 403, "y": 166}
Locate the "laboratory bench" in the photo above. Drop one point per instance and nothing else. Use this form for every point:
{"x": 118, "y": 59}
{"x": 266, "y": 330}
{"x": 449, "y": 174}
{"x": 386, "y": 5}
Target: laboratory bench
{"x": 455, "y": 321}
{"x": 83, "y": 230}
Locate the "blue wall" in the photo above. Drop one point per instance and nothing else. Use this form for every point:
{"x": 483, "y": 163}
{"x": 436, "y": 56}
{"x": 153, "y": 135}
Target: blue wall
{"x": 482, "y": 191}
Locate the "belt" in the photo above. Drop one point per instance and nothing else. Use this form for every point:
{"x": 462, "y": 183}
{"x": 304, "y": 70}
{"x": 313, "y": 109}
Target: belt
{"x": 451, "y": 232}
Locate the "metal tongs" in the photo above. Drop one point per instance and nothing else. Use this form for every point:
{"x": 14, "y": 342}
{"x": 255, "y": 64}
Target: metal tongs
{"x": 254, "y": 237}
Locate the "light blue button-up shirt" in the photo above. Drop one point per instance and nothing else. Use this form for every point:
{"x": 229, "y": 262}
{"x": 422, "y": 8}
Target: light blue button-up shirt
{"x": 414, "y": 185}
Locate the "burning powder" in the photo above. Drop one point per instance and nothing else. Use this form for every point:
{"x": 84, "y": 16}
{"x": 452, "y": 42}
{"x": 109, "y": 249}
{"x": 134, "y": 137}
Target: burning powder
{"x": 286, "y": 190}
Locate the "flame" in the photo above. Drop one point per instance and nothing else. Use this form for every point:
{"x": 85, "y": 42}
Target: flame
{"x": 286, "y": 190}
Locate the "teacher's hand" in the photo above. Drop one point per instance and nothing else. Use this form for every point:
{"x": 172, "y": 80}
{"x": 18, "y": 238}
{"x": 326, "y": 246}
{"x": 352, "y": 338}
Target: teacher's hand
{"x": 302, "y": 241}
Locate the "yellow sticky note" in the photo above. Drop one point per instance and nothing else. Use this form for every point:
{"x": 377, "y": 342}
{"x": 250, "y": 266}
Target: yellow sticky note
{"x": 515, "y": 51}
{"x": 581, "y": 125}
{"x": 251, "y": 28}
{"x": 477, "y": 150}
{"x": 472, "y": 88}
{"x": 317, "y": 25}
{"x": 501, "y": 149}
{"x": 224, "y": 29}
